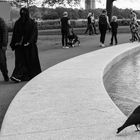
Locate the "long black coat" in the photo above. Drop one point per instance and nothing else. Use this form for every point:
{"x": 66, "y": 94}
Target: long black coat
{"x": 27, "y": 63}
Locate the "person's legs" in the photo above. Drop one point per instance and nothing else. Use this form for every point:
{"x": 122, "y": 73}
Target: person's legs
{"x": 94, "y": 28}
{"x": 90, "y": 29}
{"x": 66, "y": 39}
{"x": 115, "y": 36}
{"x": 3, "y": 65}
{"x": 63, "y": 39}
{"x": 103, "y": 36}
{"x": 111, "y": 43}
{"x": 87, "y": 29}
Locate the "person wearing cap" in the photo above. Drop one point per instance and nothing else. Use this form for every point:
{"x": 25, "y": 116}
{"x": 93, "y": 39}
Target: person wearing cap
{"x": 23, "y": 42}
{"x": 3, "y": 48}
{"x": 103, "y": 26}
{"x": 65, "y": 25}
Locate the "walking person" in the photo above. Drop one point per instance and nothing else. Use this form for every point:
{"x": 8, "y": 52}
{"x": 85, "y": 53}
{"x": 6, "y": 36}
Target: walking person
{"x": 65, "y": 24}
{"x": 133, "y": 26}
{"x": 114, "y": 28}
{"x": 23, "y": 42}
{"x": 93, "y": 23}
{"x": 134, "y": 31}
{"x": 3, "y": 48}
{"x": 89, "y": 24}
{"x": 103, "y": 26}
{"x": 133, "y": 16}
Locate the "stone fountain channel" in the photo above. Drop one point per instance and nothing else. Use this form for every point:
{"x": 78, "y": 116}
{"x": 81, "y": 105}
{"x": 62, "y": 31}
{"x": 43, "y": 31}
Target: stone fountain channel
{"x": 122, "y": 83}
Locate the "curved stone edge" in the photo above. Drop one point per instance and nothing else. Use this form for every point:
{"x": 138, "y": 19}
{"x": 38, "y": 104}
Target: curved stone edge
{"x": 81, "y": 108}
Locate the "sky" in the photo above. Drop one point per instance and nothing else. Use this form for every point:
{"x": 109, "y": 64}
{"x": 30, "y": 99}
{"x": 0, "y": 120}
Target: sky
{"x": 134, "y": 4}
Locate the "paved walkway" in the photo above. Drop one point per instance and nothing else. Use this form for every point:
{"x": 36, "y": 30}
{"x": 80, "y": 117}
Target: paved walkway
{"x": 49, "y": 58}
{"x": 69, "y": 102}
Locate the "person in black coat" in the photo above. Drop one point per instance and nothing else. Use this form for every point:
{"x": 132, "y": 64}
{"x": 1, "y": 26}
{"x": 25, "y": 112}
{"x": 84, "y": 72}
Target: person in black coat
{"x": 23, "y": 42}
{"x": 3, "y": 47}
{"x": 103, "y": 26}
{"x": 65, "y": 24}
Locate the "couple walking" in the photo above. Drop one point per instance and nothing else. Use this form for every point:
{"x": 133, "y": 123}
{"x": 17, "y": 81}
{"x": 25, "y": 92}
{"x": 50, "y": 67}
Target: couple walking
{"x": 23, "y": 43}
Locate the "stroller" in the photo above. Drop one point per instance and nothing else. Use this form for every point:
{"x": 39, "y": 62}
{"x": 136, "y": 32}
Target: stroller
{"x": 72, "y": 38}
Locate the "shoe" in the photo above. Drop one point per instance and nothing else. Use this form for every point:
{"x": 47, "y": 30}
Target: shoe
{"x": 15, "y": 79}
{"x": 103, "y": 45}
{"x": 111, "y": 44}
{"x": 6, "y": 77}
{"x": 100, "y": 44}
{"x": 66, "y": 47}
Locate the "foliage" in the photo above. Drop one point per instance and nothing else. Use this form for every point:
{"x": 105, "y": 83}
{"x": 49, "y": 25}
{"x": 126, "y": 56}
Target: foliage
{"x": 27, "y": 2}
{"x": 51, "y": 13}
{"x": 61, "y": 2}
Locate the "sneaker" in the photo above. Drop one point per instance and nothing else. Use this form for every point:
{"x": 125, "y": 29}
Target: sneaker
{"x": 15, "y": 79}
{"x": 66, "y": 47}
{"x": 100, "y": 44}
{"x": 103, "y": 45}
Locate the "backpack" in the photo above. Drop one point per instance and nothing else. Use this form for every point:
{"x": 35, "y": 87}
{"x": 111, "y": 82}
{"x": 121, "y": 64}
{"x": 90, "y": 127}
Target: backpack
{"x": 102, "y": 20}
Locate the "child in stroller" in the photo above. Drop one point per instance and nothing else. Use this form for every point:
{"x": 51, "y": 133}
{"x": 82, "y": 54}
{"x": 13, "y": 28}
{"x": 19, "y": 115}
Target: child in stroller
{"x": 72, "y": 38}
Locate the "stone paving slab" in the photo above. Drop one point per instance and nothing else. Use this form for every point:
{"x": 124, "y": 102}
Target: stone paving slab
{"x": 69, "y": 102}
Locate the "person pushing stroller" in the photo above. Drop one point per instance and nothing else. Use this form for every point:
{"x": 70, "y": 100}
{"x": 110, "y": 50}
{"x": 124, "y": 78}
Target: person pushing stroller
{"x": 72, "y": 38}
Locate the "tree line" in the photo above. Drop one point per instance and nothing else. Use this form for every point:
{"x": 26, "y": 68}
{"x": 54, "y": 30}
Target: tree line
{"x": 56, "y": 13}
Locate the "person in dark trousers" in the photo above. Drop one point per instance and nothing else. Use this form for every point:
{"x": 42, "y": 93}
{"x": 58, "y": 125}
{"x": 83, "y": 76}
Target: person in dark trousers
{"x": 93, "y": 23}
{"x": 23, "y": 42}
{"x": 89, "y": 25}
{"x": 3, "y": 48}
{"x": 103, "y": 26}
{"x": 65, "y": 24}
{"x": 114, "y": 28}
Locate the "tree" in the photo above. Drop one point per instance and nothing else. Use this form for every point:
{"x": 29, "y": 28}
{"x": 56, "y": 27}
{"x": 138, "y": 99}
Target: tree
{"x": 27, "y": 2}
{"x": 61, "y": 2}
{"x": 109, "y": 4}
